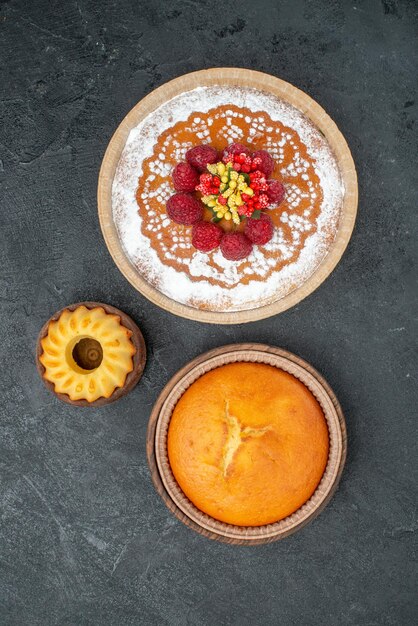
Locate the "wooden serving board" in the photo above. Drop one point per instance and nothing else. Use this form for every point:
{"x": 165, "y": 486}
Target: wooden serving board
{"x": 171, "y": 493}
{"x": 242, "y": 78}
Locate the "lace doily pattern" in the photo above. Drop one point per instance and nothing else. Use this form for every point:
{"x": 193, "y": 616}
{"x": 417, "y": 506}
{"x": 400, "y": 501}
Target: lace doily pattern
{"x": 295, "y": 220}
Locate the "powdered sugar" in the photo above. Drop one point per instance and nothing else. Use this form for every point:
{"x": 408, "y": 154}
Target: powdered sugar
{"x": 225, "y": 285}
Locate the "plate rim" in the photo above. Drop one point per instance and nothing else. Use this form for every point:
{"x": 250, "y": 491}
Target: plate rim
{"x": 259, "y": 80}
{"x": 152, "y": 455}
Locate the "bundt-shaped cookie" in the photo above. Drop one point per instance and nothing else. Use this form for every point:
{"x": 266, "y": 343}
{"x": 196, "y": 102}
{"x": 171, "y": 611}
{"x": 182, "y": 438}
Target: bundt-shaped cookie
{"x": 87, "y": 353}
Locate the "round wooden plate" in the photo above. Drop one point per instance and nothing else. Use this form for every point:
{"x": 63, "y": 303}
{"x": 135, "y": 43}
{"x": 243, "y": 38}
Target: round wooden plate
{"x": 139, "y": 357}
{"x": 228, "y": 77}
{"x": 170, "y": 491}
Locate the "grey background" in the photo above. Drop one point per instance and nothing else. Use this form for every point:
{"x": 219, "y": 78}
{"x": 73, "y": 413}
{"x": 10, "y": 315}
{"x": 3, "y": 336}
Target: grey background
{"x": 84, "y": 537}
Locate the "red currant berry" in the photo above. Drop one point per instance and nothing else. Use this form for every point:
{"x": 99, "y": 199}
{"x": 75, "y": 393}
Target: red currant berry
{"x": 263, "y": 201}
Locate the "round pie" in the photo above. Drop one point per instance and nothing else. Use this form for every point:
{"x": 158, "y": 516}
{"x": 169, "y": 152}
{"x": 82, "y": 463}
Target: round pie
{"x": 248, "y": 444}
{"x": 305, "y": 224}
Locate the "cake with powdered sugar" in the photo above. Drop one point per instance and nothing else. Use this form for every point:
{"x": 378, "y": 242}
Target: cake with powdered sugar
{"x": 240, "y": 264}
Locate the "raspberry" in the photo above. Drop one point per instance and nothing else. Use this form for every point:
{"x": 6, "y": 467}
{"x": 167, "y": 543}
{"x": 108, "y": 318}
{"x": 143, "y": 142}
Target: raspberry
{"x": 276, "y": 191}
{"x": 235, "y": 246}
{"x": 259, "y": 231}
{"x": 184, "y": 209}
{"x": 232, "y": 149}
{"x": 267, "y": 162}
{"x": 185, "y": 177}
{"x": 201, "y": 156}
{"x": 206, "y": 236}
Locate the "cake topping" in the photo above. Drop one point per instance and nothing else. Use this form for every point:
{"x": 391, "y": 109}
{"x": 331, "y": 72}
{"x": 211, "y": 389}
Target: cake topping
{"x": 264, "y": 162}
{"x": 201, "y": 156}
{"x": 233, "y": 149}
{"x": 259, "y": 231}
{"x": 184, "y": 209}
{"x": 275, "y": 191}
{"x": 185, "y": 177}
{"x": 235, "y": 246}
{"x": 206, "y": 236}
{"x": 233, "y": 190}
{"x": 232, "y": 193}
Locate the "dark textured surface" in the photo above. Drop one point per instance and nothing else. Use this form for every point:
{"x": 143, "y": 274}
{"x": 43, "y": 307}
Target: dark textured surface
{"x": 84, "y": 537}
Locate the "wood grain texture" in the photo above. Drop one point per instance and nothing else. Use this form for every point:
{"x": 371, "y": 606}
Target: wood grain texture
{"x": 168, "y": 488}
{"x": 243, "y": 78}
{"x": 139, "y": 358}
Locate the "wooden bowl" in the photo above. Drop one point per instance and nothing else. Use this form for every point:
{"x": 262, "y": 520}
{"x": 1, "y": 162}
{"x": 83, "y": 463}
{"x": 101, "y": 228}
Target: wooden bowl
{"x": 228, "y": 77}
{"x": 162, "y": 475}
{"x": 139, "y": 357}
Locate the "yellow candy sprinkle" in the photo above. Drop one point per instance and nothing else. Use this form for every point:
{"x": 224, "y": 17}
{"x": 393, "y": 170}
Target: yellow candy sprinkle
{"x": 224, "y": 179}
{"x": 234, "y": 175}
{"x": 235, "y": 218}
{"x": 227, "y": 216}
{"x": 212, "y": 203}
{"x": 219, "y": 215}
{"x": 213, "y": 169}
{"x": 249, "y": 191}
{"x": 232, "y": 184}
{"x": 221, "y": 168}
{"x": 227, "y": 193}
